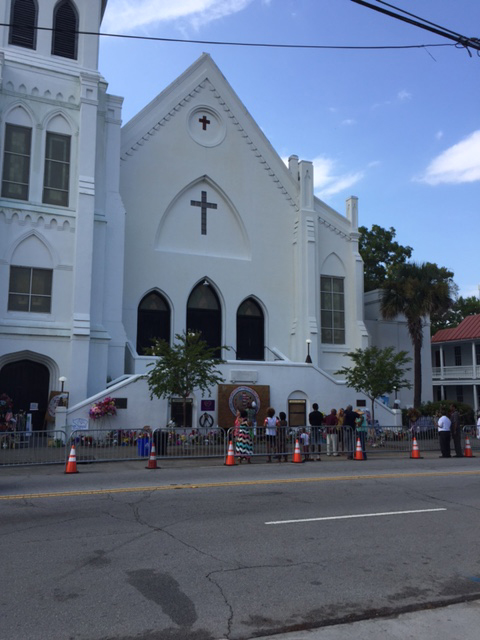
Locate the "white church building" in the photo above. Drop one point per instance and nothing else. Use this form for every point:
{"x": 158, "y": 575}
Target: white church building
{"x": 185, "y": 218}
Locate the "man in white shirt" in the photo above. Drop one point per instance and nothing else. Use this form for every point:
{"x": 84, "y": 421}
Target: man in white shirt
{"x": 444, "y": 425}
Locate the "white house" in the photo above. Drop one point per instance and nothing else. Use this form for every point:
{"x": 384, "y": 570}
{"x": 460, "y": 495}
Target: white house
{"x": 456, "y": 363}
{"x": 186, "y": 218}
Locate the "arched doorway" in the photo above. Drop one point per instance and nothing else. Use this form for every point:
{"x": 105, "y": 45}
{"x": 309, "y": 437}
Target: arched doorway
{"x": 250, "y": 331}
{"x": 27, "y": 383}
{"x": 153, "y": 321}
{"x": 204, "y": 315}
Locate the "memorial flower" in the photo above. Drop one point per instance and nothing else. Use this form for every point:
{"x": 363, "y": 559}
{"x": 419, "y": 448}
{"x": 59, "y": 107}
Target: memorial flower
{"x": 103, "y": 408}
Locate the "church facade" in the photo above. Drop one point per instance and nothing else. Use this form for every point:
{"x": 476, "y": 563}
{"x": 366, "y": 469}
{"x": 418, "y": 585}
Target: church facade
{"x": 184, "y": 219}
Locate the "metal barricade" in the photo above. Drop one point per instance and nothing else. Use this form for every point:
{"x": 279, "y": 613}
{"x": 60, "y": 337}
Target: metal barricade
{"x": 202, "y": 442}
{"x": 19, "y": 448}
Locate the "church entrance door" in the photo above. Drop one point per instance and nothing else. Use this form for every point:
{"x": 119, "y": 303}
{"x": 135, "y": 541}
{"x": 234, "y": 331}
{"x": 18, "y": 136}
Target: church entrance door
{"x": 27, "y": 382}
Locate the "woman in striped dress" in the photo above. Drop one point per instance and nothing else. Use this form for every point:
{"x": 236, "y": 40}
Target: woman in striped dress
{"x": 243, "y": 440}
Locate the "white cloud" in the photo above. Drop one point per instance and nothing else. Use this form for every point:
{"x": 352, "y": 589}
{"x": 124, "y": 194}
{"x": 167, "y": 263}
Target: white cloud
{"x": 328, "y": 182}
{"x": 439, "y": 135}
{"x": 458, "y": 164}
{"x": 348, "y": 122}
{"x": 126, "y": 15}
{"x": 404, "y": 95}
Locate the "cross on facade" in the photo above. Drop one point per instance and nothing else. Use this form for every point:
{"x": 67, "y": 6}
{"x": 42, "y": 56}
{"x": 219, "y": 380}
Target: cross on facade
{"x": 204, "y": 205}
{"x": 203, "y": 121}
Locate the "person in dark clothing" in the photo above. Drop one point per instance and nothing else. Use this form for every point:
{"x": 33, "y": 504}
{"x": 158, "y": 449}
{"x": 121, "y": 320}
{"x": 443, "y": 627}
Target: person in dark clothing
{"x": 349, "y": 431}
{"x": 315, "y": 419}
{"x": 456, "y": 431}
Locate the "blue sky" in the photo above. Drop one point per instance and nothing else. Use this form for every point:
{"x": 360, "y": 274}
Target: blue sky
{"x": 400, "y": 129}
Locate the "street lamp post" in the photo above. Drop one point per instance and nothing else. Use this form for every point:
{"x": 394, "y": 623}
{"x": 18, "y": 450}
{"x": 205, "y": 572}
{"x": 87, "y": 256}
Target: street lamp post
{"x": 62, "y": 381}
{"x": 308, "y": 358}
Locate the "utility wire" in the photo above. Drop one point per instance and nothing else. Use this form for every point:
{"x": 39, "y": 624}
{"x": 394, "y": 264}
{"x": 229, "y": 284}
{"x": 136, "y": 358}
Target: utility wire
{"x": 473, "y": 43}
{"x": 243, "y": 44}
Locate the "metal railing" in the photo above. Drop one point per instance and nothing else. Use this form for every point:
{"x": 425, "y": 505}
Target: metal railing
{"x": 104, "y": 445}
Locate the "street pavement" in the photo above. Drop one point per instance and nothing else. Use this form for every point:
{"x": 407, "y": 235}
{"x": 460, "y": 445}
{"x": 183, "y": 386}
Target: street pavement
{"x": 455, "y": 621}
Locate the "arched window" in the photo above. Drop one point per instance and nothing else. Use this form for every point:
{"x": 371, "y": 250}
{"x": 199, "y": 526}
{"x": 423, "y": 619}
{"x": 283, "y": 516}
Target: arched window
{"x": 23, "y": 20}
{"x": 65, "y": 27}
{"x": 250, "y": 331}
{"x": 204, "y": 315}
{"x": 153, "y": 321}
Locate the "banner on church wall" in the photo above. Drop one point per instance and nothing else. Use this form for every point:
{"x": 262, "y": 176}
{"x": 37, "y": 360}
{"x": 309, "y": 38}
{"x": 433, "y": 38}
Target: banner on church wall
{"x": 233, "y": 396}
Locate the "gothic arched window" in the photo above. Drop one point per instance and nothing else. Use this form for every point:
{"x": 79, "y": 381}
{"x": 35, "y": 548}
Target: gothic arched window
{"x": 23, "y": 22}
{"x": 204, "y": 315}
{"x": 65, "y": 27}
{"x": 153, "y": 321}
{"x": 250, "y": 331}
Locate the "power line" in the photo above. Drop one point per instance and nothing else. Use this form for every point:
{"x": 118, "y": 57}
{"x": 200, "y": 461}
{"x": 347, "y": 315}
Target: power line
{"x": 473, "y": 43}
{"x": 245, "y": 44}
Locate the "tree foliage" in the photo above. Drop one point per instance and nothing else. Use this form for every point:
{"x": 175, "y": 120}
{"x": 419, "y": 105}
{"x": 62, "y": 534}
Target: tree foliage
{"x": 181, "y": 368}
{"x": 417, "y": 291}
{"x": 376, "y": 371}
{"x": 462, "y": 307}
{"x": 380, "y": 254}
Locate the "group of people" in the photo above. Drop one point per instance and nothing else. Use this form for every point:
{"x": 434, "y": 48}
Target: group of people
{"x": 449, "y": 429}
{"x": 340, "y": 430}
{"x": 339, "y": 427}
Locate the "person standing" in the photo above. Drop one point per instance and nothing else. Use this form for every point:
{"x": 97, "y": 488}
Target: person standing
{"x": 270, "y": 432}
{"x": 340, "y": 421}
{"x": 315, "y": 419}
{"x": 456, "y": 430}
{"x": 361, "y": 431}
{"x": 349, "y": 431}
{"x": 282, "y": 437}
{"x": 444, "y": 425}
{"x": 331, "y": 422}
{"x": 243, "y": 440}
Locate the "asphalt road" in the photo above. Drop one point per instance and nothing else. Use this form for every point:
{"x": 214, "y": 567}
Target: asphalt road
{"x": 199, "y": 552}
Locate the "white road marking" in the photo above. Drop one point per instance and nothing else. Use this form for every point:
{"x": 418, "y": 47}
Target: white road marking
{"x": 358, "y": 515}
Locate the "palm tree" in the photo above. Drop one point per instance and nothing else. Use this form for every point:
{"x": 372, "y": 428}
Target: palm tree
{"x": 416, "y": 291}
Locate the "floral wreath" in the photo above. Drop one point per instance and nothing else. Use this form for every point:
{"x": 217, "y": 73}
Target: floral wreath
{"x": 102, "y": 408}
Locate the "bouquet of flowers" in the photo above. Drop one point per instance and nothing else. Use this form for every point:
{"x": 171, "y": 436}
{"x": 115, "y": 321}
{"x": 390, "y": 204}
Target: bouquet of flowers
{"x": 102, "y": 408}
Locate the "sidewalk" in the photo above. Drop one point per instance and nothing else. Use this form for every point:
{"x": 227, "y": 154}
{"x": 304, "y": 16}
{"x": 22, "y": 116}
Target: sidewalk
{"x": 454, "y": 622}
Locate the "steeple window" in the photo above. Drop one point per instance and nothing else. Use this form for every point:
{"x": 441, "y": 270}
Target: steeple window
{"x": 23, "y": 22}
{"x": 65, "y": 27}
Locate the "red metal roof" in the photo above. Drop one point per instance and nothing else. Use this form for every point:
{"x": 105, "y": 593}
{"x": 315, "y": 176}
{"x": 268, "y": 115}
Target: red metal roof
{"x": 468, "y": 329}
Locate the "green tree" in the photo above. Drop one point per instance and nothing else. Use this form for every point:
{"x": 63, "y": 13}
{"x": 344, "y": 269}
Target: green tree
{"x": 380, "y": 254}
{"x": 417, "y": 291}
{"x": 181, "y": 368}
{"x": 376, "y": 371}
{"x": 462, "y": 307}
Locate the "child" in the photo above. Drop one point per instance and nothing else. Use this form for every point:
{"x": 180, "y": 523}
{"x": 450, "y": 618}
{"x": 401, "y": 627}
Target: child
{"x": 305, "y": 438}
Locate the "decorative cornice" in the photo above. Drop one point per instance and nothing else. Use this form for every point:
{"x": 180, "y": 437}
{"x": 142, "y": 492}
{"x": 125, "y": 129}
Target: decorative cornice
{"x": 36, "y": 219}
{"x": 334, "y": 229}
{"x": 234, "y": 121}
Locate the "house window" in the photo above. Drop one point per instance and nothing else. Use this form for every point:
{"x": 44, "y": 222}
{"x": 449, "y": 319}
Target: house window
{"x": 204, "y": 315}
{"x": 437, "y": 359}
{"x": 30, "y": 290}
{"x": 459, "y": 389}
{"x": 458, "y": 356}
{"x": 23, "y": 20}
{"x": 477, "y": 354}
{"x": 16, "y": 162}
{"x": 332, "y": 310}
{"x": 57, "y": 169}
{"x": 65, "y": 26}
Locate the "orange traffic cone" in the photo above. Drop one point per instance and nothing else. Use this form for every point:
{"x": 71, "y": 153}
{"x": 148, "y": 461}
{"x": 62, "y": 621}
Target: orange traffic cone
{"x": 152, "y": 460}
{"x": 468, "y": 449}
{"x": 297, "y": 456}
{"x": 71, "y": 466}
{"x": 230, "y": 460}
{"x": 415, "y": 450}
{"x": 358, "y": 451}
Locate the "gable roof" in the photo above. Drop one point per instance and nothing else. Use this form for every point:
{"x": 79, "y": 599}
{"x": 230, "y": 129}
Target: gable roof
{"x": 468, "y": 329}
